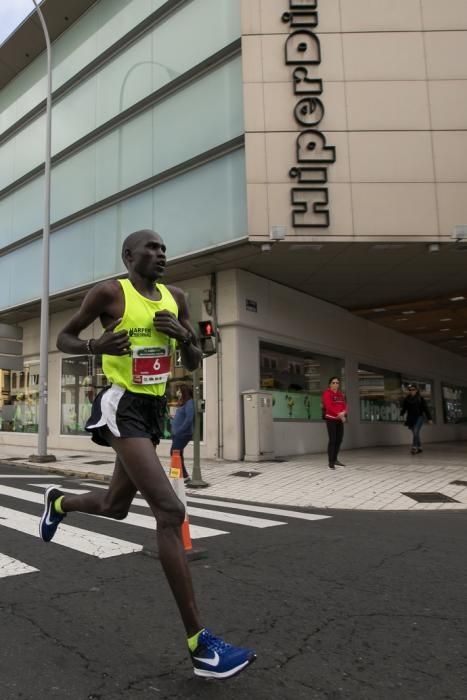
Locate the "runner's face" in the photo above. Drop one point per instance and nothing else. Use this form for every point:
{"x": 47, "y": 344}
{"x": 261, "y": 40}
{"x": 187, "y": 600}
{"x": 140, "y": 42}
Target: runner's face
{"x": 148, "y": 257}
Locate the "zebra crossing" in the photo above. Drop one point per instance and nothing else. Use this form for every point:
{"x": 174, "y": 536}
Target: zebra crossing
{"x": 28, "y": 488}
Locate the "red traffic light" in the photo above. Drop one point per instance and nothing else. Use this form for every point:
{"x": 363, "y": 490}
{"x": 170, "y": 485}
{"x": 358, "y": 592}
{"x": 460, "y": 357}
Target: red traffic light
{"x": 207, "y": 337}
{"x": 206, "y": 329}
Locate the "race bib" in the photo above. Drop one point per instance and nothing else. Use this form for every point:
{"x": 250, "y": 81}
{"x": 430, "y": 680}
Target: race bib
{"x": 150, "y": 365}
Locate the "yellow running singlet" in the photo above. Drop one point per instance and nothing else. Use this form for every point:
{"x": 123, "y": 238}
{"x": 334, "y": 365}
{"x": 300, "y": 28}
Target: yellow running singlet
{"x": 147, "y": 370}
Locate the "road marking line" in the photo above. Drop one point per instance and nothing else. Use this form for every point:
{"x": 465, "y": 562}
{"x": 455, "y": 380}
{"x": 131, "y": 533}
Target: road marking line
{"x": 13, "y": 567}
{"x": 260, "y": 509}
{"x": 232, "y": 518}
{"x": 75, "y": 538}
{"x": 75, "y": 492}
{"x": 239, "y": 506}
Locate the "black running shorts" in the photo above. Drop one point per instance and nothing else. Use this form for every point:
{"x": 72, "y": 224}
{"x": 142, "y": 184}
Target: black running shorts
{"x": 126, "y": 414}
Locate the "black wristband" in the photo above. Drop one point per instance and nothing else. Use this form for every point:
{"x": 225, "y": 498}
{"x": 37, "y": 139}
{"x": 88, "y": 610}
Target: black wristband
{"x": 187, "y": 341}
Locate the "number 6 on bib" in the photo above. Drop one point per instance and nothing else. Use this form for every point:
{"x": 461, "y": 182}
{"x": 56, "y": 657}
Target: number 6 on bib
{"x": 150, "y": 365}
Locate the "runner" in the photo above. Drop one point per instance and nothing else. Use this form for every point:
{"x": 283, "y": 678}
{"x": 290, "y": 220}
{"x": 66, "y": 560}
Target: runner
{"x": 143, "y": 322}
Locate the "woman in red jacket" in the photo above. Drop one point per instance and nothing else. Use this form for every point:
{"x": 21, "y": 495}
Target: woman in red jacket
{"x": 335, "y": 412}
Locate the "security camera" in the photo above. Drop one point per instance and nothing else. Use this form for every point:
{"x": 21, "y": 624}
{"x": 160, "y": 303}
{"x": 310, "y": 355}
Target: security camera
{"x": 459, "y": 233}
{"x": 278, "y": 233}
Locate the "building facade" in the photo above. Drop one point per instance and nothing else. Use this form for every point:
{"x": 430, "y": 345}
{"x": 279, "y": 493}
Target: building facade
{"x": 300, "y": 159}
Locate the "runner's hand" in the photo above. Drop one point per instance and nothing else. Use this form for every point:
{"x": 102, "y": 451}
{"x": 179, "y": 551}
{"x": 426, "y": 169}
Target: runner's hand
{"x": 111, "y": 343}
{"x": 166, "y": 322}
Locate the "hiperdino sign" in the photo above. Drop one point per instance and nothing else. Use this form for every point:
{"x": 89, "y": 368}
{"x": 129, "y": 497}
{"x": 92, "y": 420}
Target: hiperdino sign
{"x": 11, "y": 347}
{"x": 310, "y": 201}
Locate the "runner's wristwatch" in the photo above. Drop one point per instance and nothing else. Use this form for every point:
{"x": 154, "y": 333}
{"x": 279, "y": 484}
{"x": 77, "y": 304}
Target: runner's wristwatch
{"x": 187, "y": 341}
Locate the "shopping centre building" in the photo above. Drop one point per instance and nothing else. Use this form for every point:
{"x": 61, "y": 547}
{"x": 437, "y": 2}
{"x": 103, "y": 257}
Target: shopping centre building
{"x": 305, "y": 164}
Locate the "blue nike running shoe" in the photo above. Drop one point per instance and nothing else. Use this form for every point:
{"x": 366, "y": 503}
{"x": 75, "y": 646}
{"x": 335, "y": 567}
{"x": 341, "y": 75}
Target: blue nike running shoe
{"x": 214, "y": 658}
{"x": 50, "y": 518}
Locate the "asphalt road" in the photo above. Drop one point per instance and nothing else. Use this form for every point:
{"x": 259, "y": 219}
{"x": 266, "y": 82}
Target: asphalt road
{"x": 358, "y": 605}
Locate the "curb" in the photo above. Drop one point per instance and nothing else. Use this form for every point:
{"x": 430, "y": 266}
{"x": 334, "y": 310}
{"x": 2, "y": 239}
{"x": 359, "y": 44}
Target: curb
{"x": 59, "y": 470}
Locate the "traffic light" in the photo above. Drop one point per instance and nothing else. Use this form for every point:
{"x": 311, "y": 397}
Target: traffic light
{"x": 207, "y": 337}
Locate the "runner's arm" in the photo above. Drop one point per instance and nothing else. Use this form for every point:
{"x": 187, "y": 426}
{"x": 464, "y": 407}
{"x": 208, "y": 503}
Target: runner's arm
{"x": 95, "y": 304}
{"x": 181, "y": 330}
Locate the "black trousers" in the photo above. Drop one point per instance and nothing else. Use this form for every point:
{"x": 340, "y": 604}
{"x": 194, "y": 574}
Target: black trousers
{"x": 336, "y": 434}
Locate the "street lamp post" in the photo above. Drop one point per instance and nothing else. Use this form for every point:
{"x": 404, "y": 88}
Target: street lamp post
{"x": 42, "y": 455}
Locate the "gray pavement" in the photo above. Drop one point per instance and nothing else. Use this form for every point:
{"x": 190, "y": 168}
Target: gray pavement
{"x": 374, "y": 479}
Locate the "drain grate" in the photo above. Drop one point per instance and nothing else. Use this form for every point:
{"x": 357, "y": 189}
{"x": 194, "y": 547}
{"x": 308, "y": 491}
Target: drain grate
{"x": 459, "y": 482}
{"x": 75, "y": 456}
{"x": 99, "y": 461}
{"x": 16, "y": 459}
{"x": 430, "y": 497}
{"x": 246, "y": 475}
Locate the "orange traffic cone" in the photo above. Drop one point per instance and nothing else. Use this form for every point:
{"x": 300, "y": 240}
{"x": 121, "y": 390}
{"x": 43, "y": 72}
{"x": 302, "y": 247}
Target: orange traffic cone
{"x": 178, "y": 483}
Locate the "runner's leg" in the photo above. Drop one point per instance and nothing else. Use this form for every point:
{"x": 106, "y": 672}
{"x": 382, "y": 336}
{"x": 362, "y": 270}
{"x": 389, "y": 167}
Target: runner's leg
{"x": 113, "y": 503}
{"x": 142, "y": 466}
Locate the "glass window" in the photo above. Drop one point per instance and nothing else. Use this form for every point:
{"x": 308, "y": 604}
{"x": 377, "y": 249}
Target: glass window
{"x": 381, "y": 392}
{"x": 148, "y": 144}
{"x": 454, "y": 403}
{"x": 296, "y": 378}
{"x": 196, "y": 31}
{"x": 19, "y": 399}
{"x": 83, "y": 378}
{"x": 206, "y": 205}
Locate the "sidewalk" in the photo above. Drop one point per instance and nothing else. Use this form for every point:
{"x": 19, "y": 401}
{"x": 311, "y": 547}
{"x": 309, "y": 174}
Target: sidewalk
{"x": 374, "y": 478}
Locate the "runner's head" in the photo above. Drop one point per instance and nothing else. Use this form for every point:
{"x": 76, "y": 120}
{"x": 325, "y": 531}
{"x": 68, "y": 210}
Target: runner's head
{"x": 143, "y": 252}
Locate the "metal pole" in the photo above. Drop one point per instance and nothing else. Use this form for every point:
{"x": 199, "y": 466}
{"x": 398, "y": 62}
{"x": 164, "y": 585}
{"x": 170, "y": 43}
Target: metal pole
{"x": 196, "y": 480}
{"x": 42, "y": 455}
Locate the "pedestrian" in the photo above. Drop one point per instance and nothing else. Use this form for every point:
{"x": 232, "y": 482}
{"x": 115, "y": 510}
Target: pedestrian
{"x": 182, "y": 423}
{"x": 143, "y": 322}
{"x": 335, "y": 415}
{"x": 416, "y": 408}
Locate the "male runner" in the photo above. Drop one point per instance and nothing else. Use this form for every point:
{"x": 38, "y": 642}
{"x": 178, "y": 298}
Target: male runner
{"x": 143, "y": 321}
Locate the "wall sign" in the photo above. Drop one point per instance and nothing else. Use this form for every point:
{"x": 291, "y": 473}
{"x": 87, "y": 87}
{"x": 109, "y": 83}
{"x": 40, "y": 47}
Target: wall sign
{"x": 310, "y": 201}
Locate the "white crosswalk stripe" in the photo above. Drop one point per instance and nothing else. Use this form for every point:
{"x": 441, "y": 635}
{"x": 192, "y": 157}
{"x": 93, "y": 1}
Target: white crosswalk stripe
{"x": 84, "y": 541}
{"x": 296, "y": 514}
{"x": 13, "y": 567}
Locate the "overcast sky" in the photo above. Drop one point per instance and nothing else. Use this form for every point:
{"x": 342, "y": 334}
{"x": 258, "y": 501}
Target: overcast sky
{"x": 12, "y": 13}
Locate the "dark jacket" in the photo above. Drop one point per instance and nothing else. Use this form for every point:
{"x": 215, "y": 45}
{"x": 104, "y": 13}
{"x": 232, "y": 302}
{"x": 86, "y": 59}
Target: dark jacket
{"x": 182, "y": 422}
{"x": 414, "y": 407}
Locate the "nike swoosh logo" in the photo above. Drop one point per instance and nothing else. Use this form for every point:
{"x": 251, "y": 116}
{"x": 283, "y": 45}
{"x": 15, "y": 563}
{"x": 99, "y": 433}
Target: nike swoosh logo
{"x": 210, "y": 662}
{"x": 47, "y": 517}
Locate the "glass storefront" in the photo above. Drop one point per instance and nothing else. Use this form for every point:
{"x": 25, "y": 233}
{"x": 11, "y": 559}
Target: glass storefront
{"x": 82, "y": 378}
{"x": 296, "y": 379}
{"x": 381, "y": 393}
{"x": 19, "y": 399}
{"x": 454, "y": 403}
